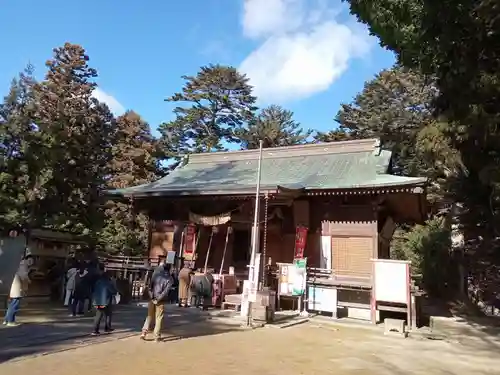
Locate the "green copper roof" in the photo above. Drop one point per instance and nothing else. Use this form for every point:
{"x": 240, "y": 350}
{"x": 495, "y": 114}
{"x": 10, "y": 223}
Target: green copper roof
{"x": 339, "y": 165}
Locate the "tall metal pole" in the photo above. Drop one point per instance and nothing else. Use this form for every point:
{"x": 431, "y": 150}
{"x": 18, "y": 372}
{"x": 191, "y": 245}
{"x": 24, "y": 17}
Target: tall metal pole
{"x": 255, "y": 234}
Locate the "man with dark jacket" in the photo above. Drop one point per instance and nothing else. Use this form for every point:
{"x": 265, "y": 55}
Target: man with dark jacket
{"x": 81, "y": 291}
{"x": 102, "y": 299}
{"x": 159, "y": 288}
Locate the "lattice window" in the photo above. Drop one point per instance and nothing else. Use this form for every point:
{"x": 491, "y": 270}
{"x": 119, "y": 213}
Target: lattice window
{"x": 352, "y": 255}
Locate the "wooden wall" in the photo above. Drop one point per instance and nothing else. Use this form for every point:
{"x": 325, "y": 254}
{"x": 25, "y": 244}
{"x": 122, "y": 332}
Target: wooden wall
{"x": 161, "y": 238}
{"x": 354, "y": 235}
{"x": 351, "y": 223}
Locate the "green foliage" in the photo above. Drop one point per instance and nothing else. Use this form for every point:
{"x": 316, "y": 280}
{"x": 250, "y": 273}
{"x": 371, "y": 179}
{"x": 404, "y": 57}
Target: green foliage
{"x": 21, "y": 174}
{"x": 214, "y": 104}
{"x": 335, "y": 135}
{"x": 458, "y": 42}
{"x": 428, "y": 248}
{"x": 275, "y": 126}
{"x": 394, "y": 107}
{"x": 77, "y": 133}
{"x": 135, "y": 161}
{"x": 397, "y": 107}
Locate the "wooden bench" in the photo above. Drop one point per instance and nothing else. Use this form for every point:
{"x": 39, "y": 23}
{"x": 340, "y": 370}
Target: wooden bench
{"x": 235, "y": 306}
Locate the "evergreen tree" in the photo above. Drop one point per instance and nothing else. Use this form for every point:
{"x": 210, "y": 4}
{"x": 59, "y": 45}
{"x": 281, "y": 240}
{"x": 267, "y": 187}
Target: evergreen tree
{"x": 78, "y": 134}
{"x": 459, "y": 43}
{"x": 135, "y": 161}
{"x": 334, "y": 135}
{"x": 22, "y": 176}
{"x": 276, "y": 127}
{"x": 397, "y": 107}
{"x": 213, "y": 105}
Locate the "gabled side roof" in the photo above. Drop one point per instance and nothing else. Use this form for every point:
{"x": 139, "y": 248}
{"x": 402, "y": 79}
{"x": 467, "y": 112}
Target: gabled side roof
{"x": 322, "y": 166}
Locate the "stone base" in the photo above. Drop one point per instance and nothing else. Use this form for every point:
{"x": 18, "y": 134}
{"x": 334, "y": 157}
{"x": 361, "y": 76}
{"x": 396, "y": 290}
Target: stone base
{"x": 395, "y": 327}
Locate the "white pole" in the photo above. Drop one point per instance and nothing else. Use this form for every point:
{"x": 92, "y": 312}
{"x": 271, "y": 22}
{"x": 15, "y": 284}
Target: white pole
{"x": 255, "y": 232}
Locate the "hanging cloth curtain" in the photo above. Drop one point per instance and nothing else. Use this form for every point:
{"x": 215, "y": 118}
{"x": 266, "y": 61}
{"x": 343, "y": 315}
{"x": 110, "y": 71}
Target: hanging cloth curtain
{"x": 210, "y": 221}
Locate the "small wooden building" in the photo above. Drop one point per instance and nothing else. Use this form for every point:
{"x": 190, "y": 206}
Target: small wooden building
{"x": 342, "y": 192}
{"x": 50, "y": 251}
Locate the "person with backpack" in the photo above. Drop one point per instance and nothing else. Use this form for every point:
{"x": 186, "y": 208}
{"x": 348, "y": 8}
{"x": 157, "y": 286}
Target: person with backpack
{"x": 102, "y": 299}
{"x": 158, "y": 290}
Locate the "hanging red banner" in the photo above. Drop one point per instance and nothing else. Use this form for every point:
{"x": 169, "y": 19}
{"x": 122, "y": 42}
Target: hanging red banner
{"x": 300, "y": 241}
{"x": 189, "y": 241}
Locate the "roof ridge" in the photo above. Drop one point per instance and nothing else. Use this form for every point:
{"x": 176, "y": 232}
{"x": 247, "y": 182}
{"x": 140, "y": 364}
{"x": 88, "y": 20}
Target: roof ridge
{"x": 324, "y": 148}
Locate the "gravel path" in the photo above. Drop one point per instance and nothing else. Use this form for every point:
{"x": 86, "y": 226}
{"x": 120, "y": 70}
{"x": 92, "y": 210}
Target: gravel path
{"x": 303, "y": 349}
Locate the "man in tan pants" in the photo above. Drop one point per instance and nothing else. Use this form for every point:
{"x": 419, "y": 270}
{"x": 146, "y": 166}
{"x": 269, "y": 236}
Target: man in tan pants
{"x": 158, "y": 290}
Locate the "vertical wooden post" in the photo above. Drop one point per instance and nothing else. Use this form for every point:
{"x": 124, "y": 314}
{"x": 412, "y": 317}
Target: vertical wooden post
{"x": 373, "y": 299}
{"x": 408, "y": 298}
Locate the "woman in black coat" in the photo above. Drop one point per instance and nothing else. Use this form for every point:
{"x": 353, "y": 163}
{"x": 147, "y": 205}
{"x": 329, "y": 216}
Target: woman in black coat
{"x": 201, "y": 286}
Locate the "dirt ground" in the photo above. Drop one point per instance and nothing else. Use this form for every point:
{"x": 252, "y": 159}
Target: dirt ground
{"x": 303, "y": 349}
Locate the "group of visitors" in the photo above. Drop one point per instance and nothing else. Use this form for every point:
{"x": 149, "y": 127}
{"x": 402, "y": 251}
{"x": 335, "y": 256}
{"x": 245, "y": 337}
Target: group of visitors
{"x": 195, "y": 287}
{"x": 89, "y": 286}
{"x": 89, "y": 282}
{"x": 80, "y": 280}
{"x": 84, "y": 282}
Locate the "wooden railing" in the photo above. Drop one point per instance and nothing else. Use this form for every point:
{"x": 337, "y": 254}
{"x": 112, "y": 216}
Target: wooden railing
{"x": 130, "y": 263}
{"x": 131, "y": 273}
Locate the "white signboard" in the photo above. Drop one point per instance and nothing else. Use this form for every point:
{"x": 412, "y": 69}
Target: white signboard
{"x": 252, "y": 291}
{"x": 244, "y": 299}
{"x": 322, "y": 299}
{"x": 298, "y": 276}
{"x": 170, "y": 257}
{"x": 392, "y": 280}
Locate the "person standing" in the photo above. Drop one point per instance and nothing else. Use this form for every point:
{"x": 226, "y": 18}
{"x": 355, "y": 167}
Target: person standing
{"x": 54, "y": 278}
{"x": 70, "y": 283}
{"x": 185, "y": 275}
{"x": 17, "y": 291}
{"x": 93, "y": 269}
{"x": 202, "y": 288}
{"x": 161, "y": 283}
{"x": 80, "y": 292}
{"x": 102, "y": 300}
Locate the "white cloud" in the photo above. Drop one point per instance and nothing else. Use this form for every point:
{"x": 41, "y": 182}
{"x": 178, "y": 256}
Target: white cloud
{"x": 303, "y": 48}
{"x": 262, "y": 18}
{"x": 114, "y": 105}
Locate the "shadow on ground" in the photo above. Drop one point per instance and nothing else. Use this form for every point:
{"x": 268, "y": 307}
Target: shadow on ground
{"x": 460, "y": 322}
{"x": 64, "y": 333}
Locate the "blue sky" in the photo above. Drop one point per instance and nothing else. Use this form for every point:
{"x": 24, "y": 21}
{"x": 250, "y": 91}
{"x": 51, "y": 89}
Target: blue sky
{"x": 307, "y": 55}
